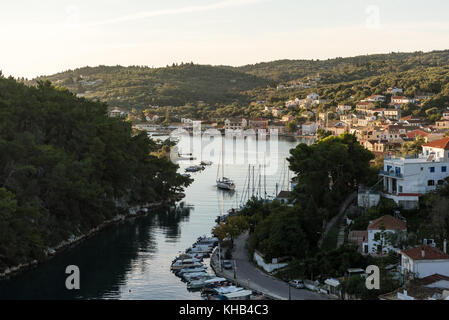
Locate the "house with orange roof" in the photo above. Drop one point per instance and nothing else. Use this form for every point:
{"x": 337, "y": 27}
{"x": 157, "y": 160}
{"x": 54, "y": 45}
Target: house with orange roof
{"x": 423, "y": 261}
{"x": 377, "y": 234}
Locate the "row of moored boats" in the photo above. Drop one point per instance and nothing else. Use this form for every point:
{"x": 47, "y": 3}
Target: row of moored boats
{"x": 189, "y": 266}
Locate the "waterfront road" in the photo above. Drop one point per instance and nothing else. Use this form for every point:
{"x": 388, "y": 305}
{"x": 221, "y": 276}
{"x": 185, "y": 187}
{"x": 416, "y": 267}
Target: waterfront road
{"x": 249, "y": 276}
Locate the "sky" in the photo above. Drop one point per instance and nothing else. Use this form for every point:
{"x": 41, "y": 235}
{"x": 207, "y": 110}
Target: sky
{"x": 50, "y": 36}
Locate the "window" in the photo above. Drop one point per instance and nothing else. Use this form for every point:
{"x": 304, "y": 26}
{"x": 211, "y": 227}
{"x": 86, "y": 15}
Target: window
{"x": 444, "y": 169}
{"x": 432, "y": 169}
{"x": 431, "y": 183}
{"x": 440, "y": 182}
{"x": 401, "y": 189}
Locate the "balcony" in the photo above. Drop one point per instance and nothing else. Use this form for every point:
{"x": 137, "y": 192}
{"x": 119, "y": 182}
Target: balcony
{"x": 391, "y": 174}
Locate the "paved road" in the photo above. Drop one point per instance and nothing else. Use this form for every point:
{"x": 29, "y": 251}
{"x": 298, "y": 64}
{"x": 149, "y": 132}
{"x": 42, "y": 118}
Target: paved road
{"x": 260, "y": 281}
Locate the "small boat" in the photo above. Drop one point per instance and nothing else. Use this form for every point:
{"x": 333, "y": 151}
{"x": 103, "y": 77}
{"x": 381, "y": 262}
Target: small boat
{"x": 194, "y": 169}
{"x": 186, "y": 175}
{"x": 199, "y": 284}
{"x": 181, "y": 264}
{"x": 196, "y": 276}
{"x": 212, "y": 241}
{"x": 200, "y": 249}
{"x": 206, "y": 163}
{"x": 183, "y": 271}
{"x": 225, "y": 184}
{"x": 196, "y": 284}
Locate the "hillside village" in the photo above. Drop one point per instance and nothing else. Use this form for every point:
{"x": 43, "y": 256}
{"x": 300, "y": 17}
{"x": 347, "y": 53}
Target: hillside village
{"x": 413, "y": 156}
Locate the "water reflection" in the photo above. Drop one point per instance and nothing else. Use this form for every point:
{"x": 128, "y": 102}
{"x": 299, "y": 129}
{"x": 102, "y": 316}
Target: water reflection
{"x": 104, "y": 261}
{"x": 132, "y": 260}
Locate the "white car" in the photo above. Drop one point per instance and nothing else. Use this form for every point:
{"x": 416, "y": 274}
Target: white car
{"x": 227, "y": 264}
{"x": 298, "y": 284}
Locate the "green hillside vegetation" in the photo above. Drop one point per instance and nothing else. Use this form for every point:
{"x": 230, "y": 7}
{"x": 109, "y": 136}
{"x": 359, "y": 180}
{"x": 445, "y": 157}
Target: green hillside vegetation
{"x": 346, "y": 69}
{"x": 214, "y": 92}
{"x": 139, "y": 87}
{"x": 64, "y": 168}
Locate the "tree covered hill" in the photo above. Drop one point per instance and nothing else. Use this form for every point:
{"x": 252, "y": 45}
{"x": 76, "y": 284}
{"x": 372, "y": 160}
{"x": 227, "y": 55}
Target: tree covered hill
{"x": 66, "y": 167}
{"x": 189, "y": 84}
{"x": 346, "y": 69}
{"x": 139, "y": 87}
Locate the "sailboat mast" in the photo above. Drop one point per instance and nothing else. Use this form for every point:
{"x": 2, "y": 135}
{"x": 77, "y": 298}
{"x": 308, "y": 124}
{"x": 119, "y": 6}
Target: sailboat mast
{"x": 249, "y": 180}
{"x": 222, "y": 157}
{"x": 264, "y": 179}
{"x": 253, "y": 181}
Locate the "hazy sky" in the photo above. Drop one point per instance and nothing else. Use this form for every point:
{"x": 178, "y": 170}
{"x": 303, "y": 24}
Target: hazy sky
{"x": 45, "y": 37}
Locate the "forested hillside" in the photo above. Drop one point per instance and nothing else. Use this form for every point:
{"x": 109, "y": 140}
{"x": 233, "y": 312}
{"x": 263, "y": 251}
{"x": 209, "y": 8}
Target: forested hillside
{"x": 346, "y": 69}
{"x": 187, "y": 84}
{"x": 64, "y": 167}
{"x": 139, "y": 87}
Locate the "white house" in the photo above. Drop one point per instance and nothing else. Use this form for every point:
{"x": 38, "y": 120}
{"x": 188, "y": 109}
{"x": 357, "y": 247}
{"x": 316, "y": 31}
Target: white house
{"x": 405, "y": 179}
{"x": 423, "y": 261}
{"x": 116, "y": 113}
{"x": 392, "y": 114}
{"x": 236, "y": 124}
{"x": 386, "y": 224}
{"x": 375, "y": 98}
{"x": 402, "y": 100}
{"x": 309, "y": 128}
{"x": 343, "y": 108}
{"x": 312, "y": 96}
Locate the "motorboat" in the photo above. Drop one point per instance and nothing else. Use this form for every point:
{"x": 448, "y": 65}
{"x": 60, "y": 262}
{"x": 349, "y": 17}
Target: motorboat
{"x": 198, "y": 284}
{"x": 207, "y": 241}
{"x": 181, "y": 264}
{"x": 183, "y": 271}
{"x": 196, "y": 276}
{"x": 194, "y": 168}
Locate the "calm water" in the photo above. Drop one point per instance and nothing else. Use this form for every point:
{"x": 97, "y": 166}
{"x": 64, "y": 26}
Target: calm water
{"x": 132, "y": 260}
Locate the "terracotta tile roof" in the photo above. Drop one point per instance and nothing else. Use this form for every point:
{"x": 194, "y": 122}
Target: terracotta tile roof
{"x": 415, "y": 133}
{"x": 441, "y": 144}
{"x": 429, "y": 253}
{"x": 389, "y": 222}
{"x": 432, "y": 279}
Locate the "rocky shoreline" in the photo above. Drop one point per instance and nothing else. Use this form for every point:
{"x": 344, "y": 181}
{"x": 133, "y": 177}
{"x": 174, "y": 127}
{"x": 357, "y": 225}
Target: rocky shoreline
{"x": 75, "y": 240}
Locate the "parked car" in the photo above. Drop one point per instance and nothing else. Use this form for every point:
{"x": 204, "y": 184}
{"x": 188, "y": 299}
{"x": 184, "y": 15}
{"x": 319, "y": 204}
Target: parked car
{"x": 227, "y": 264}
{"x": 298, "y": 284}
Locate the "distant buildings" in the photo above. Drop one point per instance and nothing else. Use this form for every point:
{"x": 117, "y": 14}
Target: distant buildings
{"x": 117, "y": 113}
{"x": 259, "y": 123}
{"x": 236, "y": 124}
